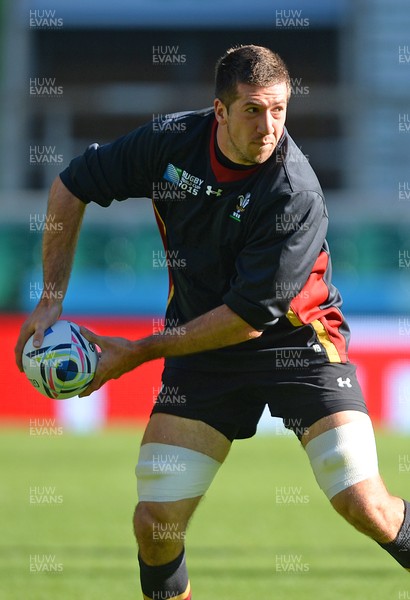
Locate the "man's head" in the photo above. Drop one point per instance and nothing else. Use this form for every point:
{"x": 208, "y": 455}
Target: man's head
{"x": 253, "y": 65}
{"x": 252, "y": 89}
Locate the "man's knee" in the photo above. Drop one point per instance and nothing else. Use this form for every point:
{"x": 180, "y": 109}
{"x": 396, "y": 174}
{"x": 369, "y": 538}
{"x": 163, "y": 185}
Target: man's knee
{"x": 163, "y": 522}
{"x": 143, "y": 519}
{"x": 361, "y": 505}
{"x": 159, "y": 531}
{"x": 171, "y": 481}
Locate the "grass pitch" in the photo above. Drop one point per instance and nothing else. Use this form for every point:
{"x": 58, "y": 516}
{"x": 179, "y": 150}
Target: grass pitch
{"x": 264, "y": 530}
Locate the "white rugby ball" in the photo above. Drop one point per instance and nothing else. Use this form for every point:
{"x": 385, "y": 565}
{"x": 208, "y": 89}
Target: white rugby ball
{"x": 64, "y": 365}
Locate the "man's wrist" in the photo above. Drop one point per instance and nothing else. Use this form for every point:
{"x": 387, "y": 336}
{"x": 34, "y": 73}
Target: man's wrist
{"x": 147, "y": 349}
{"x": 49, "y": 302}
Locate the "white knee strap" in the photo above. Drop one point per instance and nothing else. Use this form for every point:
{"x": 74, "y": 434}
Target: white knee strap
{"x": 168, "y": 473}
{"x": 343, "y": 456}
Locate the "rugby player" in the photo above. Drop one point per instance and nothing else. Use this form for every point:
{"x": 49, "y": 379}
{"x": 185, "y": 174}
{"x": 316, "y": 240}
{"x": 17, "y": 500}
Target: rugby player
{"x": 255, "y": 317}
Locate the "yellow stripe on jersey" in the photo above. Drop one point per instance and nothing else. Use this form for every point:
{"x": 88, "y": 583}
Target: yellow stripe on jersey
{"x": 158, "y": 215}
{"x": 293, "y": 318}
{"x": 322, "y": 336}
{"x": 324, "y": 339}
{"x": 170, "y": 295}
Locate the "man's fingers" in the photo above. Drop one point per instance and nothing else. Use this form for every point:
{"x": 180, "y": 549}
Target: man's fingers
{"x": 21, "y": 342}
{"x": 94, "y": 386}
{"x": 97, "y": 382}
{"x": 36, "y": 325}
{"x": 38, "y": 338}
{"x": 89, "y": 335}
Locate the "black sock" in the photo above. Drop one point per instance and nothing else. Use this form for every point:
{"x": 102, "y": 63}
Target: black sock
{"x": 400, "y": 547}
{"x": 165, "y": 582}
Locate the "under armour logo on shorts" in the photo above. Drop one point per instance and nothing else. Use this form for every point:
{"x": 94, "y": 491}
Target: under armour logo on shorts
{"x": 344, "y": 382}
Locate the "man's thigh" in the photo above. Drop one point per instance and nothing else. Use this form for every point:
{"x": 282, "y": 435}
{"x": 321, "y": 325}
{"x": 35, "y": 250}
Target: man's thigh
{"x": 331, "y": 422}
{"x": 196, "y": 435}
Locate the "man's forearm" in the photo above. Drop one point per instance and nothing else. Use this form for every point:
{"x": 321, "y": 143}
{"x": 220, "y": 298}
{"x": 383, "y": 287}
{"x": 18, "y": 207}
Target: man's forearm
{"x": 59, "y": 242}
{"x": 215, "y": 329}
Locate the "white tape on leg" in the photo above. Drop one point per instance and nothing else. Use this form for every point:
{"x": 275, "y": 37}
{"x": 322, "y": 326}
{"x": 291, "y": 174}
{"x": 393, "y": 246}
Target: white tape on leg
{"x": 168, "y": 473}
{"x": 343, "y": 456}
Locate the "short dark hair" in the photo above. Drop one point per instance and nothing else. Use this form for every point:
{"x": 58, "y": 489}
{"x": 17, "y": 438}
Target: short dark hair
{"x": 254, "y": 65}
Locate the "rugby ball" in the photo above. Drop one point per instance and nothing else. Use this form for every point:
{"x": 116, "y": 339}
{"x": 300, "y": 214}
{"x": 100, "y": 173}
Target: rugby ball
{"x": 64, "y": 365}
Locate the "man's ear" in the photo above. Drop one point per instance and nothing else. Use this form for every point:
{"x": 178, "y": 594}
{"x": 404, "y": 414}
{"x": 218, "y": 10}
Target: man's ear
{"x": 221, "y": 112}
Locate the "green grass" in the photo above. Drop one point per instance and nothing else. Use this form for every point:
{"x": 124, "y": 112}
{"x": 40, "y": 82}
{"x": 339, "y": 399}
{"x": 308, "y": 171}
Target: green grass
{"x": 235, "y": 542}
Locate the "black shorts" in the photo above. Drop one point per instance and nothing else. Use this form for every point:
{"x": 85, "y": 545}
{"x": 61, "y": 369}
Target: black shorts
{"x": 233, "y": 403}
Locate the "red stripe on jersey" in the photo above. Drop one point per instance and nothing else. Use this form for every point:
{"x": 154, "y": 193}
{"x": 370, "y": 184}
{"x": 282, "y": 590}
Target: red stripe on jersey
{"x": 225, "y": 174}
{"x": 163, "y": 233}
{"x": 306, "y": 306}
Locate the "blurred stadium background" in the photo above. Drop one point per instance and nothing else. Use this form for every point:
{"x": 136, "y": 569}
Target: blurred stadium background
{"x": 78, "y": 72}
{"x": 75, "y": 72}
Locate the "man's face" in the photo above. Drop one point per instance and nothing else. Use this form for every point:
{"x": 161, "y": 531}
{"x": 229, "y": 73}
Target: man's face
{"x": 249, "y": 132}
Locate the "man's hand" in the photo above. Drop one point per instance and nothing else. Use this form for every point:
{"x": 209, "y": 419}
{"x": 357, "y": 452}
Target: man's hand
{"x": 43, "y": 317}
{"x": 118, "y": 356}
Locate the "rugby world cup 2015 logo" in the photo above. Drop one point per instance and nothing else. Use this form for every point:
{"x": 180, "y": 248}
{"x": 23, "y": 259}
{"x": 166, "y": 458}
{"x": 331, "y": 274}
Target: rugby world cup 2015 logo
{"x": 172, "y": 174}
{"x": 242, "y": 203}
{"x": 184, "y": 180}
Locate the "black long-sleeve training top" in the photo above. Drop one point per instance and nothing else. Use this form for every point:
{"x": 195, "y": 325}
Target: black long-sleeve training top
{"x": 252, "y": 238}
